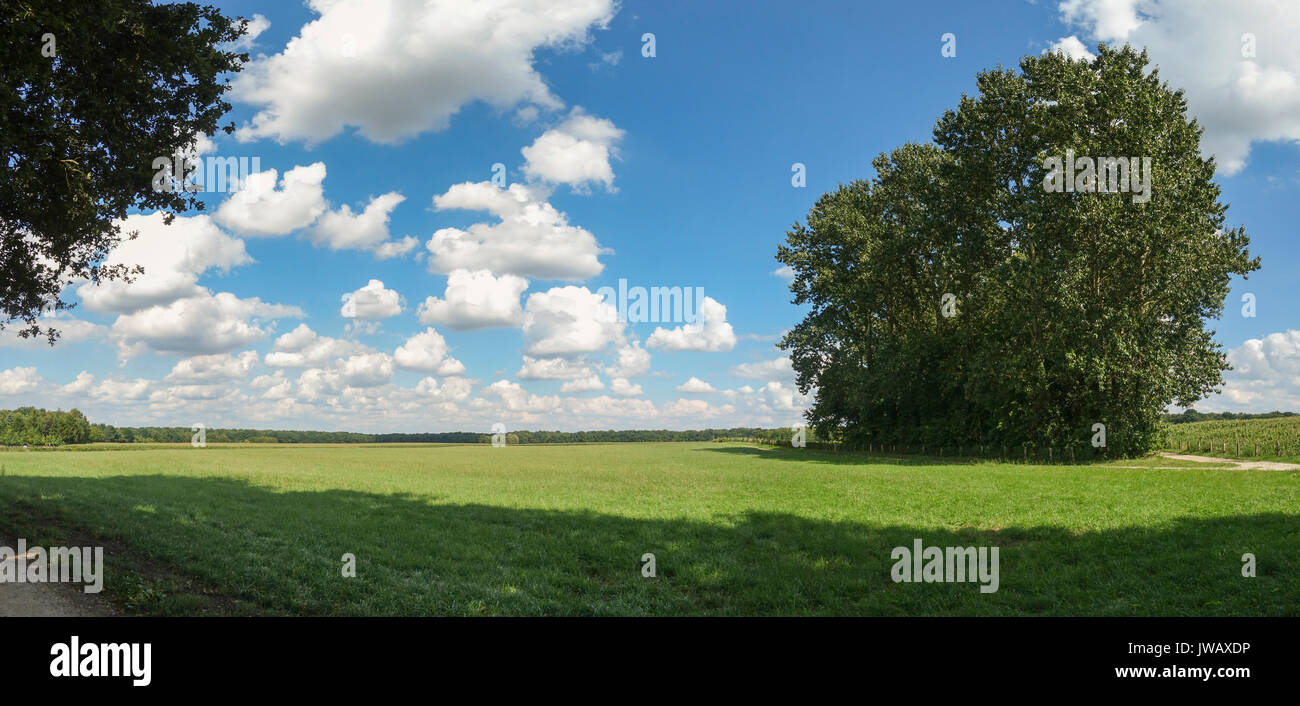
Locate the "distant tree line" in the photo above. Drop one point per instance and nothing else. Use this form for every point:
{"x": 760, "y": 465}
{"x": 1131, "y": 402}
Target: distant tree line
{"x": 611, "y": 435}
{"x": 1191, "y": 415}
{"x": 29, "y": 426}
{"x": 173, "y": 435}
{"x": 38, "y": 427}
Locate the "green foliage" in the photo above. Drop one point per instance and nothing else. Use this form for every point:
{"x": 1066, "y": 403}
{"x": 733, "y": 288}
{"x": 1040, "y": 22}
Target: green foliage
{"x": 1072, "y": 309}
{"x": 130, "y": 81}
{"x": 29, "y": 426}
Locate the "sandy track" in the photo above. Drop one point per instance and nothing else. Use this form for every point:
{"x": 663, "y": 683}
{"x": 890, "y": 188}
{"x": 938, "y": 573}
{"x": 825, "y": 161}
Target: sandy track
{"x": 1238, "y": 465}
{"x": 49, "y": 600}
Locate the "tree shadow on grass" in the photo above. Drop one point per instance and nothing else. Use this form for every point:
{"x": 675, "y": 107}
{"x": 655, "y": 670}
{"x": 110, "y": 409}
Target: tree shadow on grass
{"x": 418, "y": 555}
{"x": 866, "y": 458}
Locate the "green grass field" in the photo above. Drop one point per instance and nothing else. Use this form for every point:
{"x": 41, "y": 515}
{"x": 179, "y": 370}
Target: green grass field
{"x": 736, "y": 530}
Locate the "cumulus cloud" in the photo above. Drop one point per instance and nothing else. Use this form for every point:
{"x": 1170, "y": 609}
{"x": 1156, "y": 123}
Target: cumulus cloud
{"x": 19, "y": 380}
{"x": 1072, "y": 48}
{"x": 173, "y": 257}
{"x": 476, "y": 300}
{"x": 71, "y": 330}
{"x": 695, "y": 385}
{"x": 1198, "y": 46}
{"x": 552, "y": 369}
{"x": 372, "y": 301}
{"x": 427, "y": 352}
{"x": 531, "y": 238}
{"x": 623, "y": 387}
{"x": 365, "y": 369}
{"x": 710, "y": 333}
{"x": 121, "y": 390}
{"x": 1265, "y": 376}
{"x": 585, "y": 384}
{"x": 304, "y": 348}
{"x": 575, "y": 152}
{"x": 632, "y": 361}
{"x": 342, "y": 229}
{"x": 395, "y": 68}
{"x": 82, "y": 384}
{"x": 775, "y": 369}
{"x": 198, "y": 325}
{"x": 569, "y": 321}
{"x": 208, "y": 368}
{"x": 260, "y": 208}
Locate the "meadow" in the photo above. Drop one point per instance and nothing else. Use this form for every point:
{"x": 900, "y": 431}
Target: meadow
{"x": 736, "y": 529}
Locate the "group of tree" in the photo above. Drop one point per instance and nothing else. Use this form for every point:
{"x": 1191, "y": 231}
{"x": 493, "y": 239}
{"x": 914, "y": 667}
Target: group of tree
{"x": 29, "y": 426}
{"x": 91, "y": 93}
{"x": 956, "y": 299}
{"x": 1191, "y": 415}
{"x": 628, "y": 435}
{"x": 176, "y": 435}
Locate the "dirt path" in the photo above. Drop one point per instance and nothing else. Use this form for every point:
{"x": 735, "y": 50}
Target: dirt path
{"x": 48, "y": 600}
{"x": 1237, "y": 465}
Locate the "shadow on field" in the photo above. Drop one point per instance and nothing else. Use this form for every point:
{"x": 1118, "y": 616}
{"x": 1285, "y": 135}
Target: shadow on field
{"x": 283, "y": 552}
{"x": 862, "y": 458}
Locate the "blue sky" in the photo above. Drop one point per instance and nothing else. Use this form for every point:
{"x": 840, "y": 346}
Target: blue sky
{"x": 671, "y": 170}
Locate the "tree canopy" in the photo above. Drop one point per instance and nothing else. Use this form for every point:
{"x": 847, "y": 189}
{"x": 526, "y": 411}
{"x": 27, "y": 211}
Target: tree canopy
{"x": 959, "y": 298}
{"x": 90, "y": 94}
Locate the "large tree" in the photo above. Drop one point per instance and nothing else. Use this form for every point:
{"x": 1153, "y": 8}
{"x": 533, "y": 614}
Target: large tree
{"x": 1069, "y": 308}
{"x": 91, "y": 92}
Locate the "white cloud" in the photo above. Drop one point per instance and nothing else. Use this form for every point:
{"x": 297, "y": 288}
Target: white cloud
{"x": 365, "y": 369}
{"x": 342, "y": 229}
{"x": 19, "y": 380}
{"x": 531, "y": 239}
{"x": 81, "y": 384}
{"x": 453, "y": 389}
{"x": 1265, "y": 376}
{"x": 198, "y": 325}
{"x": 552, "y": 369}
{"x": 621, "y": 386}
{"x": 396, "y": 68}
{"x": 785, "y": 272}
{"x": 121, "y": 390}
{"x": 476, "y": 300}
{"x": 207, "y": 368}
{"x": 372, "y": 301}
{"x": 304, "y": 348}
{"x": 776, "y": 369}
{"x": 1197, "y": 45}
{"x": 695, "y": 409}
{"x": 259, "y": 208}
{"x": 70, "y": 331}
{"x": 586, "y": 384}
{"x": 257, "y": 24}
{"x": 633, "y": 360}
{"x": 575, "y": 152}
{"x": 1070, "y": 47}
{"x": 695, "y": 385}
{"x": 710, "y": 333}
{"x": 567, "y": 321}
{"x": 427, "y": 352}
{"x": 173, "y": 257}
